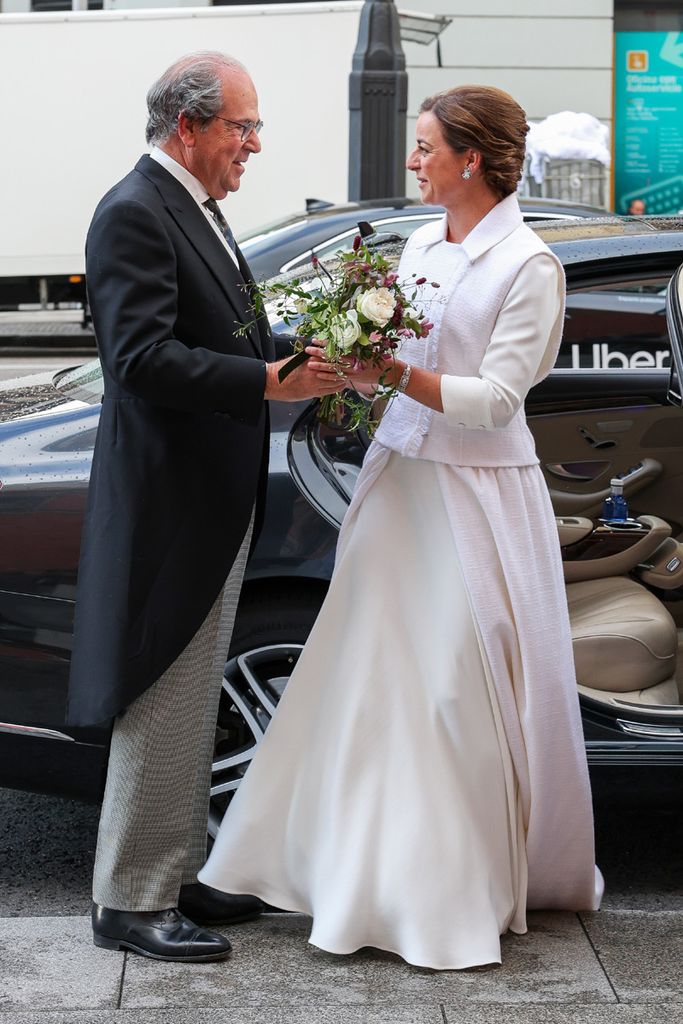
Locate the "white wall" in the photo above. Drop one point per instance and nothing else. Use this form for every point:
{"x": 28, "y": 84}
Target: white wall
{"x": 73, "y": 87}
{"x": 551, "y": 55}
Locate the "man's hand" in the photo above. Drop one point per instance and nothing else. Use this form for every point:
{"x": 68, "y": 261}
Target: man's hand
{"x": 307, "y": 381}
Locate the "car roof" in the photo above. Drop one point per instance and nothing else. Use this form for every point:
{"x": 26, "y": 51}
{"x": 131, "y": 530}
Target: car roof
{"x": 289, "y": 241}
{"x": 645, "y": 244}
{"x": 318, "y": 210}
{"x": 342, "y": 215}
{"x": 584, "y": 241}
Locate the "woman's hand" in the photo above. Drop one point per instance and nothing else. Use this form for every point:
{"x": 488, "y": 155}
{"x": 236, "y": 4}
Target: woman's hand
{"x": 367, "y": 390}
{"x": 424, "y": 385}
{"x": 371, "y": 375}
{"x": 364, "y": 377}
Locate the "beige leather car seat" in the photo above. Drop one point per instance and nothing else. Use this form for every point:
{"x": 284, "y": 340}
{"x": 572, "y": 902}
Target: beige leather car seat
{"x": 625, "y": 642}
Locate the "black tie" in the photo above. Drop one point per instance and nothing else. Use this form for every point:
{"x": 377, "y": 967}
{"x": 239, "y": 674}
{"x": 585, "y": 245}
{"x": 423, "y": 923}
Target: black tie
{"x": 215, "y": 211}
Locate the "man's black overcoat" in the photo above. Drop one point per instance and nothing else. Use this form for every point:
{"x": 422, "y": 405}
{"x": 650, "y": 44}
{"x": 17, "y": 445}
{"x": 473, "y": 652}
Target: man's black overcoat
{"x": 181, "y": 448}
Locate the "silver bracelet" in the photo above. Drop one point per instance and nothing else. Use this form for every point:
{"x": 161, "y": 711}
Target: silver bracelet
{"x": 405, "y": 377}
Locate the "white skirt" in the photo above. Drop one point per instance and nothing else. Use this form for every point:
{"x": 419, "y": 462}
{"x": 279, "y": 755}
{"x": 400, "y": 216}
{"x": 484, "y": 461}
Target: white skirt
{"x": 383, "y": 800}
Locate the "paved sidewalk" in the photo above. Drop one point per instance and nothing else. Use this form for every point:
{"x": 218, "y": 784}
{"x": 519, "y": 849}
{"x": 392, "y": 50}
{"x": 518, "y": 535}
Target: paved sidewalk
{"x": 612, "y": 966}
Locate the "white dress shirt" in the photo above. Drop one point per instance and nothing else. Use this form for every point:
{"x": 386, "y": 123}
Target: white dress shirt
{"x": 196, "y": 190}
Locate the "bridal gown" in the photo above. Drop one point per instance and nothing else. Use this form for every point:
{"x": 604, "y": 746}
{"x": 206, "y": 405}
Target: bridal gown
{"x": 423, "y": 781}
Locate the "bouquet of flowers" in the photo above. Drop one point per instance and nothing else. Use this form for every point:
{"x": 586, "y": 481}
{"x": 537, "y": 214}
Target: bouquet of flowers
{"x": 360, "y": 313}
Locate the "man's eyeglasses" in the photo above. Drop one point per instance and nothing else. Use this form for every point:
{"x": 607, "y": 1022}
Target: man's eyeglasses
{"x": 247, "y": 126}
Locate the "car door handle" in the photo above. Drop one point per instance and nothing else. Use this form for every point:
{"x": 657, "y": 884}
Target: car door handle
{"x": 577, "y": 472}
{"x": 593, "y": 442}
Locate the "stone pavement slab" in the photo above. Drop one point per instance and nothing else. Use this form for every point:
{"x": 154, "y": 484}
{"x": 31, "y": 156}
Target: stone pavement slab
{"x": 273, "y": 964}
{"x": 240, "y": 1015}
{"x": 50, "y": 973}
{"x": 641, "y": 952}
{"x": 483, "y": 1013}
{"x": 51, "y": 963}
{"x": 554, "y": 1013}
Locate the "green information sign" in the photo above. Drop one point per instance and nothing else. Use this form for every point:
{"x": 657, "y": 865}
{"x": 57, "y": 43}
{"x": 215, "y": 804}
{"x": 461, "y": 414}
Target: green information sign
{"x": 648, "y": 122}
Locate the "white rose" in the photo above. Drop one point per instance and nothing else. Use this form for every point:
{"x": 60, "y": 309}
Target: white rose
{"x": 345, "y": 330}
{"x": 377, "y": 305}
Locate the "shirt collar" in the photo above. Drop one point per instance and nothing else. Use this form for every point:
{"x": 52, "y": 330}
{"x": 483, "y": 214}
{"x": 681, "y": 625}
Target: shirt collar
{"x": 181, "y": 174}
{"x": 501, "y": 221}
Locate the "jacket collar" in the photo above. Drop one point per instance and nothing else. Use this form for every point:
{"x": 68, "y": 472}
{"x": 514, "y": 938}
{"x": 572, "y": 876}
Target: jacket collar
{"x": 192, "y": 222}
{"x": 501, "y": 221}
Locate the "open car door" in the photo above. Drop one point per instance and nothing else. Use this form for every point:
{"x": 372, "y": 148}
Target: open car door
{"x": 674, "y": 322}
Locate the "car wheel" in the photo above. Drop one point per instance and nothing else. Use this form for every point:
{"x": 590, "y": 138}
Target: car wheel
{"x": 269, "y": 634}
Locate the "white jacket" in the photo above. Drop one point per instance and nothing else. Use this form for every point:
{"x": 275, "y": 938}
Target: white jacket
{"x": 498, "y": 317}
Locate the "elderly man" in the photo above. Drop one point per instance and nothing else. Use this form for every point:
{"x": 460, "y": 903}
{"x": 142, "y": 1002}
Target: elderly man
{"x": 175, "y": 500}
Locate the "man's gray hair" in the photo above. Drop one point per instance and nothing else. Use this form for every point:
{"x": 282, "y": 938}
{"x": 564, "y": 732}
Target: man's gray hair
{"x": 192, "y": 86}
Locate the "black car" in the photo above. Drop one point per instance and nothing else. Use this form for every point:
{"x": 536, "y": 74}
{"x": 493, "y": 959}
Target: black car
{"x": 323, "y": 228}
{"x": 611, "y": 408}
{"x": 286, "y": 244}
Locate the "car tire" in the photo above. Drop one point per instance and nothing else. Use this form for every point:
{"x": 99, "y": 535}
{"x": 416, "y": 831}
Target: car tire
{"x": 271, "y": 628}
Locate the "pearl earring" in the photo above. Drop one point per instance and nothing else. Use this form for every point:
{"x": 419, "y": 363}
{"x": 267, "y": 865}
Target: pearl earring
{"x": 467, "y": 173}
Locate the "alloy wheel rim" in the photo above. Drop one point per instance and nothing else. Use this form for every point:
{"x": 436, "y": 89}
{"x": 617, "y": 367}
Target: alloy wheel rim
{"x": 253, "y": 683}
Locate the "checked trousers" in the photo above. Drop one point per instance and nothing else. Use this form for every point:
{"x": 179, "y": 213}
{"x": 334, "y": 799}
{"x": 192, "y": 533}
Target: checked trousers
{"x": 152, "y": 833}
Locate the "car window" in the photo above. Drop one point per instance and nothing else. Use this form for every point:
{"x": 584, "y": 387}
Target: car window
{"x": 616, "y": 327}
{"x": 339, "y": 242}
{"x": 403, "y": 226}
{"x": 83, "y": 384}
{"x": 543, "y": 215}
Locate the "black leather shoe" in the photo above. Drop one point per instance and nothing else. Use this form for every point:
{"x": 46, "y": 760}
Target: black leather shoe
{"x": 160, "y": 934}
{"x": 210, "y": 906}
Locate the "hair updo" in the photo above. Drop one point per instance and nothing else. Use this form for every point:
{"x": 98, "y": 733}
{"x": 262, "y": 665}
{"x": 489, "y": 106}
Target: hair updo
{"x": 488, "y": 120}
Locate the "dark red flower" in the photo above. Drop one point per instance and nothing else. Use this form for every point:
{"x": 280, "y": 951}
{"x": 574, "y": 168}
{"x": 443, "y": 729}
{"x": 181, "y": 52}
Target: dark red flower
{"x": 315, "y": 261}
{"x": 357, "y": 243}
{"x": 421, "y": 280}
{"x": 435, "y": 284}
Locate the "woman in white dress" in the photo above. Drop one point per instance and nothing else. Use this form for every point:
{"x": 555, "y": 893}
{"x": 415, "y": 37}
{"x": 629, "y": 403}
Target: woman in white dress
{"x": 424, "y": 779}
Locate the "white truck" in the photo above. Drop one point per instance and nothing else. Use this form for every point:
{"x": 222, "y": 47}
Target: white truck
{"x": 73, "y": 86}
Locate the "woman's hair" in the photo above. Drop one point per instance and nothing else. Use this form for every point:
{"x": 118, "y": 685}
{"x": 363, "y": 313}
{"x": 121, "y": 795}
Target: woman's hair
{"x": 488, "y": 120}
{"x": 193, "y": 86}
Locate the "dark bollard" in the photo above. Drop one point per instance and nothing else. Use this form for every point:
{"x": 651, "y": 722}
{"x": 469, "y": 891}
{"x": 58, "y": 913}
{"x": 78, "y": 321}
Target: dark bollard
{"x": 378, "y": 100}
